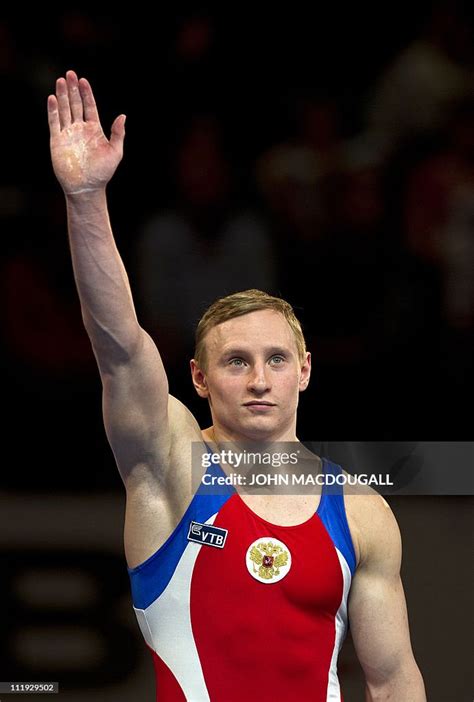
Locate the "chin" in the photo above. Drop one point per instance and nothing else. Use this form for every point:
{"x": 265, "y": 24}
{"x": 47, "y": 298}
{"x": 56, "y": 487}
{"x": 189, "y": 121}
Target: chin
{"x": 259, "y": 430}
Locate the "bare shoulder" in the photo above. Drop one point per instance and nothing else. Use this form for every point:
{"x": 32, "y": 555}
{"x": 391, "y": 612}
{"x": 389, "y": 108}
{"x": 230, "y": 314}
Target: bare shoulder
{"x": 182, "y": 423}
{"x": 157, "y": 502}
{"x": 175, "y": 465}
{"x": 186, "y": 444}
{"x": 373, "y": 526}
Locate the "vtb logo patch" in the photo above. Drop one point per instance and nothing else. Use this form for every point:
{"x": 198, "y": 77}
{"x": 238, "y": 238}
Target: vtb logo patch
{"x": 207, "y": 534}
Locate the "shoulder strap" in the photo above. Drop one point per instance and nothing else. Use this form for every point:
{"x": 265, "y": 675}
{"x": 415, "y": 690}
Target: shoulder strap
{"x": 332, "y": 513}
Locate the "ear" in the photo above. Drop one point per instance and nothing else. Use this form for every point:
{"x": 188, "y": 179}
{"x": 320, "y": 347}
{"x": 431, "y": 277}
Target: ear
{"x": 305, "y": 372}
{"x": 199, "y": 379}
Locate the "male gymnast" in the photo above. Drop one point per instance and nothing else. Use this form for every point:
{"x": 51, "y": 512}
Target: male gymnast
{"x": 239, "y": 596}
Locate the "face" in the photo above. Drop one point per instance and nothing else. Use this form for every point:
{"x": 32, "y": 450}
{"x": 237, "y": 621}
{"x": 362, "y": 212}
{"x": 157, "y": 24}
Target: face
{"x": 253, "y": 377}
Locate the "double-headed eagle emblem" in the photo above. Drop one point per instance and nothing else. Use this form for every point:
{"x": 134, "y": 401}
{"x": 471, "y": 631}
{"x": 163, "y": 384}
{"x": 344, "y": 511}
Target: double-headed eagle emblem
{"x": 269, "y": 557}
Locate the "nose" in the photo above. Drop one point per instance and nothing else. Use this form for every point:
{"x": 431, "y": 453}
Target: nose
{"x": 258, "y": 381}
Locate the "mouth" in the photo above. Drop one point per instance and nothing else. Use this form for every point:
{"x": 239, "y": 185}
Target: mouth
{"x": 259, "y": 403}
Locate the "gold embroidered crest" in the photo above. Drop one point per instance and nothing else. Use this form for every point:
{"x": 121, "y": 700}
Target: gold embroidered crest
{"x": 268, "y": 560}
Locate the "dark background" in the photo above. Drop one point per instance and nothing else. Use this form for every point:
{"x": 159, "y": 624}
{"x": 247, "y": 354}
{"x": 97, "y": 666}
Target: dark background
{"x": 346, "y": 139}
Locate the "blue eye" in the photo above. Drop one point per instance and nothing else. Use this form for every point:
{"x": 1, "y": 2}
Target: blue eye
{"x": 279, "y": 359}
{"x": 237, "y": 362}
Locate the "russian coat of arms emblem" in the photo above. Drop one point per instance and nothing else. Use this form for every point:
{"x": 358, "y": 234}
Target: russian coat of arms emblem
{"x": 268, "y": 560}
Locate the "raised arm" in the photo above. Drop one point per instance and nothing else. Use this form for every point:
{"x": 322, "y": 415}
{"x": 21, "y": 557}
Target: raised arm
{"x": 377, "y": 610}
{"x": 84, "y": 161}
{"x": 134, "y": 381}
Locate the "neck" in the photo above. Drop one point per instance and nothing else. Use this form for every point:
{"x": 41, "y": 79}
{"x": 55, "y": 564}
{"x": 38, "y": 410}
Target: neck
{"x": 219, "y": 434}
{"x": 222, "y": 444}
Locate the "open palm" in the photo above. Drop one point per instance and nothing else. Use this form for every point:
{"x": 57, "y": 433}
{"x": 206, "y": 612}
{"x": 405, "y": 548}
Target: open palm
{"x": 83, "y": 158}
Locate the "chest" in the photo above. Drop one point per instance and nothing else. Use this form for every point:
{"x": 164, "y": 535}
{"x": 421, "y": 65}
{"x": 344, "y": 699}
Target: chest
{"x": 293, "y": 567}
{"x": 283, "y": 510}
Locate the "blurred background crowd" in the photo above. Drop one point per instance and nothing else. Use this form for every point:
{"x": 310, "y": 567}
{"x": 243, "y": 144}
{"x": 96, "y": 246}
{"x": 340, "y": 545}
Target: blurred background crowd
{"x": 326, "y": 162}
{"x": 328, "y": 159}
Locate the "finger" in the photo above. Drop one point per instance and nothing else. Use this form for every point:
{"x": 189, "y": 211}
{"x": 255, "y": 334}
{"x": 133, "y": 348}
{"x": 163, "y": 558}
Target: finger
{"x": 88, "y": 101}
{"x": 118, "y": 133}
{"x": 53, "y": 115}
{"x": 75, "y": 100}
{"x": 63, "y": 103}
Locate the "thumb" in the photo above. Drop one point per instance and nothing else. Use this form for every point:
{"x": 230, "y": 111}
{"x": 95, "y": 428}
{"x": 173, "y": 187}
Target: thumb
{"x": 118, "y": 132}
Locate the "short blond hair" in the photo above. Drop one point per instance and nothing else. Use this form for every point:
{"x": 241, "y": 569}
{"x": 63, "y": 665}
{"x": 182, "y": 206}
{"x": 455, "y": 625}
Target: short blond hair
{"x": 241, "y": 303}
